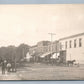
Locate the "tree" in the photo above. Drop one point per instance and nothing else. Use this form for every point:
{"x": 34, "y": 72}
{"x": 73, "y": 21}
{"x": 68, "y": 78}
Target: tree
{"x": 21, "y": 51}
{"x": 12, "y": 53}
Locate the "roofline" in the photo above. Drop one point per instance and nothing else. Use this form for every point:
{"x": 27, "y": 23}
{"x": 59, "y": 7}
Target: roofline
{"x": 43, "y": 41}
{"x": 72, "y": 36}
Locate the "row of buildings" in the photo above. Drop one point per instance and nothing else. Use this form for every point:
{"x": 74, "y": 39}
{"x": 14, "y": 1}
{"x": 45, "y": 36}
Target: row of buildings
{"x": 72, "y": 47}
{"x": 43, "y": 47}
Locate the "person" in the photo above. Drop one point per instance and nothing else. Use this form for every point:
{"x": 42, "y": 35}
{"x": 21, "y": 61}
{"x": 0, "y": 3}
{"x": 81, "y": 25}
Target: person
{"x": 8, "y": 67}
{"x": 3, "y": 66}
{"x": 13, "y": 67}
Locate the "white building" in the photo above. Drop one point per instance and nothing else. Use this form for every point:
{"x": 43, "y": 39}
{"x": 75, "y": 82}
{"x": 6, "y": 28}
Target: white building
{"x": 74, "y": 47}
{"x": 28, "y": 57}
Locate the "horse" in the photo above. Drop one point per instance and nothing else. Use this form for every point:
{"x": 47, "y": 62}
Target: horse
{"x": 70, "y": 62}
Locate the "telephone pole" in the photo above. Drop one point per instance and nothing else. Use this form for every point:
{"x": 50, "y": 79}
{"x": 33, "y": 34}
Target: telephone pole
{"x": 51, "y": 34}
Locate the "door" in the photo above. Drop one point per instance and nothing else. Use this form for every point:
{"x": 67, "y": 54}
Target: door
{"x": 63, "y": 56}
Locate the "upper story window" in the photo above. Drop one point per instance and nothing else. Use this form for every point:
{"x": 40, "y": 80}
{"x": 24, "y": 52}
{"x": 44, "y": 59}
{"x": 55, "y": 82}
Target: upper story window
{"x": 70, "y": 43}
{"x": 66, "y": 44}
{"x": 75, "y": 43}
{"x": 80, "y": 42}
{"x": 60, "y": 46}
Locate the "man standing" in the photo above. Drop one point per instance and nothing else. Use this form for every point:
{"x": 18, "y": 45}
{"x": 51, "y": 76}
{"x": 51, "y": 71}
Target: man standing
{"x": 4, "y": 66}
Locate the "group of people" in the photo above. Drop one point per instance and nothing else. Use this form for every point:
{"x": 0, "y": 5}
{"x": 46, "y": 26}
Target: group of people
{"x": 7, "y": 66}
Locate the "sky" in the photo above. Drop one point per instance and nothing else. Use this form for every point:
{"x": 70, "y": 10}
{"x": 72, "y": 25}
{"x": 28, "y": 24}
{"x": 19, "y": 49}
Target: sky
{"x": 30, "y": 24}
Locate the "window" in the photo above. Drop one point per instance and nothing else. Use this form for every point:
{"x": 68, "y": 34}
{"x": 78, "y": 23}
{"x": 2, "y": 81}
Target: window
{"x": 80, "y": 42}
{"x": 75, "y": 43}
{"x": 60, "y": 46}
{"x": 70, "y": 44}
{"x": 66, "y": 44}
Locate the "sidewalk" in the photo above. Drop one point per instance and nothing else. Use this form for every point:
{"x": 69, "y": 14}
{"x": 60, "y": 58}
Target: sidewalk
{"x": 9, "y": 76}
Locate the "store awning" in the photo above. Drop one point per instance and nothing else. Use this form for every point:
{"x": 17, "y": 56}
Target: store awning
{"x": 44, "y": 55}
{"x": 55, "y": 55}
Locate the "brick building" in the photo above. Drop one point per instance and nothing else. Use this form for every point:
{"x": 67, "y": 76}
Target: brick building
{"x": 44, "y": 47}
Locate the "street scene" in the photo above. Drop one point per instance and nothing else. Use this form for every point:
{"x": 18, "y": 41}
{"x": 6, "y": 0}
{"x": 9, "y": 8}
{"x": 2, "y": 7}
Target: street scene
{"x": 42, "y": 42}
{"x": 45, "y": 72}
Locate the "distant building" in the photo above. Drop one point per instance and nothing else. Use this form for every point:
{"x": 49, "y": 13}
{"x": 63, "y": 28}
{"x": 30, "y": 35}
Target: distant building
{"x": 28, "y": 57}
{"x": 43, "y": 43}
{"x": 54, "y": 47}
{"x": 44, "y": 47}
{"x": 73, "y": 46}
{"x": 33, "y": 50}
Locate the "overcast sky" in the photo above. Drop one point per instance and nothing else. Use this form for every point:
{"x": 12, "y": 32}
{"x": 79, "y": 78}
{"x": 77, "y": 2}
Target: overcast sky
{"x": 32, "y": 23}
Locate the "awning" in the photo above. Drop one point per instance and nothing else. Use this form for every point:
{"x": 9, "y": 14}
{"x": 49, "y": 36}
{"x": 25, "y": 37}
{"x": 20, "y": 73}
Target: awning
{"x": 44, "y": 55}
{"x": 55, "y": 55}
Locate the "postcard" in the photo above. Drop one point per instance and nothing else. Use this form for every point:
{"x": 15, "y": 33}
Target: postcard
{"x": 42, "y": 42}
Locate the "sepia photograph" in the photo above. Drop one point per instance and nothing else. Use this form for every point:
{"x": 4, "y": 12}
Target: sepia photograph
{"x": 42, "y": 42}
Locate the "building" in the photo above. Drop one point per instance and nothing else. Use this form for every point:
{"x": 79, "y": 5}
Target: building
{"x": 43, "y": 47}
{"x": 70, "y": 48}
{"x": 39, "y": 49}
{"x": 33, "y": 49}
{"x": 43, "y": 43}
{"x": 74, "y": 47}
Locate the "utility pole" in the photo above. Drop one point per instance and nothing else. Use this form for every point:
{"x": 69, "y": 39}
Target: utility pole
{"x": 52, "y": 34}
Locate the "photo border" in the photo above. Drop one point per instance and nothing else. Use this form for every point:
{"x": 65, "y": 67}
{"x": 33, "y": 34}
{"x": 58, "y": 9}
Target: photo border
{"x": 41, "y": 2}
